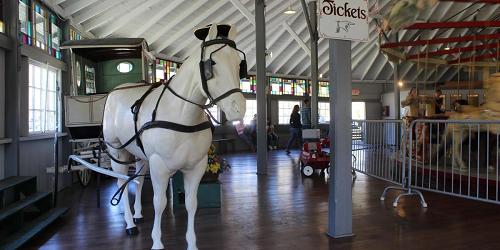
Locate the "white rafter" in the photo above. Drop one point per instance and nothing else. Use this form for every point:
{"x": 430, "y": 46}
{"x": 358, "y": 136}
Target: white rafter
{"x": 122, "y": 20}
{"x": 164, "y": 10}
{"x": 244, "y": 11}
{"x": 111, "y": 14}
{"x": 295, "y": 36}
{"x": 193, "y": 23}
{"x": 77, "y": 6}
{"x": 94, "y": 10}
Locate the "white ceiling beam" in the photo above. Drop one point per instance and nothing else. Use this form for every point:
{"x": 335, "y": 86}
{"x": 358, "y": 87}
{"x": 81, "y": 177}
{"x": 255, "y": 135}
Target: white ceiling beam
{"x": 95, "y": 10}
{"x": 58, "y": 1}
{"x": 111, "y": 14}
{"x": 193, "y": 23}
{"x": 296, "y": 62}
{"x": 192, "y": 40}
{"x": 77, "y": 6}
{"x": 291, "y": 53}
{"x": 56, "y": 8}
{"x": 122, "y": 20}
{"x": 244, "y": 11}
{"x": 296, "y": 37}
{"x": 273, "y": 22}
{"x": 164, "y": 10}
{"x": 322, "y": 47}
{"x": 370, "y": 64}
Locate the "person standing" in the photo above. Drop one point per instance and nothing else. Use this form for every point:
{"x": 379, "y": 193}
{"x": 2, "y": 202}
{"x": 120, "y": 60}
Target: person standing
{"x": 305, "y": 112}
{"x": 295, "y": 127}
{"x": 438, "y": 101}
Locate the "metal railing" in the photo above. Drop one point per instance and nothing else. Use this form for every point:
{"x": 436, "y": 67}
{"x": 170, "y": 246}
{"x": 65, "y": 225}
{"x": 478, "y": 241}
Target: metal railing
{"x": 455, "y": 157}
{"x": 378, "y": 149}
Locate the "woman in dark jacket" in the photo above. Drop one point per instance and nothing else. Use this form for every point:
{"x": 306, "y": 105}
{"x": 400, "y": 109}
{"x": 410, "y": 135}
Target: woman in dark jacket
{"x": 295, "y": 127}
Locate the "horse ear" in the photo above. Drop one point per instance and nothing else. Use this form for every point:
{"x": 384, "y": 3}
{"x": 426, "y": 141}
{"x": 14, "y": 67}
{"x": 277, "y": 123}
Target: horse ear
{"x": 232, "y": 33}
{"x": 212, "y": 32}
{"x": 202, "y": 33}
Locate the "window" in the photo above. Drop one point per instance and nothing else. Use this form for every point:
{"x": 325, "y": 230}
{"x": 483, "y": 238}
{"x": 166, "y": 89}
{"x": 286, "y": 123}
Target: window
{"x": 300, "y": 88}
{"x": 24, "y": 21}
{"x": 89, "y": 80}
{"x": 284, "y": 110}
{"x": 74, "y": 34}
{"x": 324, "y": 112}
{"x": 323, "y": 89}
{"x": 250, "y": 111}
{"x": 171, "y": 68}
{"x": 43, "y": 101}
{"x": 40, "y": 38}
{"x": 288, "y": 87}
{"x": 160, "y": 70}
{"x": 215, "y": 113}
{"x": 124, "y": 67}
{"x": 275, "y": 86}
{"x": 55, "y": 38}
{"x": 246, "y": 86}
{"x": 1, "y": 17}
{"x": 358, "y": 111}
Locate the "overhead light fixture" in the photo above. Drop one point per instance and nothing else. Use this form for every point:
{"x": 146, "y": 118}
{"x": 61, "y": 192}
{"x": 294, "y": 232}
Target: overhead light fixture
{"x": 290, "y": 10}
{"x": 447, "y": 48}
{"x": 320, "y": 75}
{"x": 400, "y": 83}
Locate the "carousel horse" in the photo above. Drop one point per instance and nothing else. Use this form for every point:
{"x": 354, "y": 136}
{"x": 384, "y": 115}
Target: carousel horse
{"x": 458, "y": 133}
{"x": 169, "y": 125}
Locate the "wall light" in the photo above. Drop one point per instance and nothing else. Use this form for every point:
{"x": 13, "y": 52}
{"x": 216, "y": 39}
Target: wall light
{"x": 400, "y": 83}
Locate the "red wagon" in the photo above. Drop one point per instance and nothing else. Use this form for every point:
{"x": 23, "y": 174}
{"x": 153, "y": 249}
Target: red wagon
{"x": 312, "y": 158}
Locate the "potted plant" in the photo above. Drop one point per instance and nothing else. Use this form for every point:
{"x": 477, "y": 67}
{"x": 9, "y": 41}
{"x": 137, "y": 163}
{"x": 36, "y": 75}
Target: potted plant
{"x": 215, "y": 166}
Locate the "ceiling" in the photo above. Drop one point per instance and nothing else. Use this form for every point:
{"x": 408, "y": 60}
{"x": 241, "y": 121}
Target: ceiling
{"x": 168, "y": 26}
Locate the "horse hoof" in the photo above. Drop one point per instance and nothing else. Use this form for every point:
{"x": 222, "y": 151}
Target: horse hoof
{"x": 138, "y": 220}
{"x": 132, "y": 231}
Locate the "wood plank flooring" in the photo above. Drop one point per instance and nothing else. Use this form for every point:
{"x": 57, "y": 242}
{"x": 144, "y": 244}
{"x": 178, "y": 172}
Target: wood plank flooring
{"x": 279, "y": 211}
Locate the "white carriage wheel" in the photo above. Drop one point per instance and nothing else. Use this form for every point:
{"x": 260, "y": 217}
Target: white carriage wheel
{"x": 307, "y": 170}
{"x": 84, "y": 176}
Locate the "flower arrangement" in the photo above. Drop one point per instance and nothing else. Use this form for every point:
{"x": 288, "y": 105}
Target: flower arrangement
{"x": 216, "y": 165}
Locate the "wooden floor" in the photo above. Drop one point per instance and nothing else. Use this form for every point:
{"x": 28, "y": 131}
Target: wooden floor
{"x": 279, "y": 211}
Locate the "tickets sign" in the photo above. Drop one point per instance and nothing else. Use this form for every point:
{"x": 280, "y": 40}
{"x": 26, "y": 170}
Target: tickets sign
{"x": 344, "y": 20}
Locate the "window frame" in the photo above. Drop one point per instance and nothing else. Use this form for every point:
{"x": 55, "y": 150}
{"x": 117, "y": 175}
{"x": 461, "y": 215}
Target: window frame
{"x": 44, "y": 104}
{"x": 284, "y": 113}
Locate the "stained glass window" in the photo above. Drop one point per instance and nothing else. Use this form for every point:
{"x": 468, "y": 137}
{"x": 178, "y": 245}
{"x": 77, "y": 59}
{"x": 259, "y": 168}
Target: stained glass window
{"x": 300, "y": 87}
{"x": 74, "y": 34}
{"x": 55, "y": 38}
{"x": 246, "y": 86}
{"x": 323, "y": 89}
{"x": 275, "y": 86}
{"x": 288, "y": 86}
{"x": 25, "y": 22}
{"x": 40, "y": 27}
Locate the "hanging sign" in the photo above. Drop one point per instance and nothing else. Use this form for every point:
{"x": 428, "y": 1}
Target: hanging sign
{"x": 343, "y": 19}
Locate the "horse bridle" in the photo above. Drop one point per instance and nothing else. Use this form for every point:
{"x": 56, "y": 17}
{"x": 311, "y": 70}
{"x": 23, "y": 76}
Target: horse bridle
{"x": 207, "y": 73}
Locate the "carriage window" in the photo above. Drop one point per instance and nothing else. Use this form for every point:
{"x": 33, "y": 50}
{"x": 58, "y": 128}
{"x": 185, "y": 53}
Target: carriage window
{"x": 43, "y": 101}
{"x": 251, "y": 110}
{"x": 89, "y": 80}
{"x": 285, "y": 110}
{"x": 124, "y": 67}
{"x": 160, "y": 69}
{"x": 78, "y": 74}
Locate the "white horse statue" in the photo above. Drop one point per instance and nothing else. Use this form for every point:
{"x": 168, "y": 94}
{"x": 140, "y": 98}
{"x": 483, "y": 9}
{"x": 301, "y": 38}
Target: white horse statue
{"x": 179, "y": 137}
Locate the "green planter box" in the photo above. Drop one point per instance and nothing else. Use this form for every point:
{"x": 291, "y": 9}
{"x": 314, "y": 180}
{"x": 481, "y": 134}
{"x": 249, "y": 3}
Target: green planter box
{"x": 208, "y": 193}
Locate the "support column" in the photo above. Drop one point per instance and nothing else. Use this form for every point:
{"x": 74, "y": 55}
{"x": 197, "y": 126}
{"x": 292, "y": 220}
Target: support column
{"x": 260, "y": 33}
{"x": 397, "y": 103}
{"x": 12, "y": 109}
{"x": 340, "y": 192}
{"x": 314, "y": 64}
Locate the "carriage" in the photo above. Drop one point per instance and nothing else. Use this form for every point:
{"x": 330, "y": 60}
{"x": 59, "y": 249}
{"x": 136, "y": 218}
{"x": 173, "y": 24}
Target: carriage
{"x": 98, "y": 66}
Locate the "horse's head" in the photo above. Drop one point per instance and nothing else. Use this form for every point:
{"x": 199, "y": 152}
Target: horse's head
{"x": 221, "y": 69}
